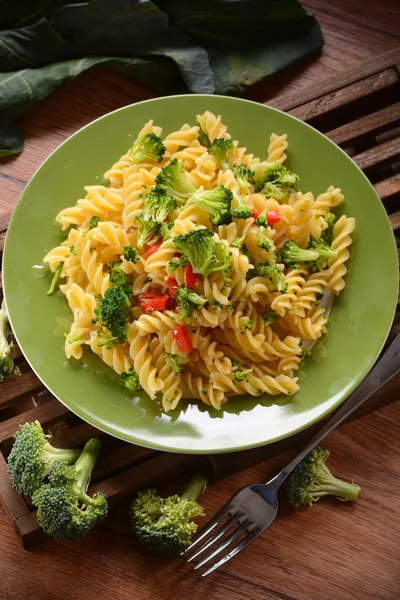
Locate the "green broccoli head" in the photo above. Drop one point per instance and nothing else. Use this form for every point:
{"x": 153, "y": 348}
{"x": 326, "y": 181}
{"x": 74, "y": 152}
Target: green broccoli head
{"x": 270, "y": 316}
{"x": 157, "y": 206}
{"x": 146, "y": 230}
{"x": 64, "y": 509}
{"x": 216, "y": 202}
{"x": 119, "y": 278}
{"x": 262, "y": 220}
{"x": 244, "y": 177}
{"x": 106, "y": 339}
{"x": 173, "y": 361}
{"x": 312, "y": 479}
{"x": 293, "y": 256}
{"x": 262, "y": 240}
{"x": 32, "y": 457}
{"x": 222, "y": 150}
{"x": 271, "y": 271}
{"x": 242, "y": 211}
{"x": 173, "y": 181}
{"x": 165, "y": 525}
{"x": 327, "y": 233}
{"x": 130, "y": 253}
{"x": 274, "y": 180}
{"x": 325, "y": 252}
{"x": 6, "y": 361}
{"x": 204, "y": 254}
{"x": 112, "y": 312}
{"x": 147, "y": 148}
{"x": 243, "y": 376}
{"x": 130, "y": 380}
{"x": 188, "y": 301}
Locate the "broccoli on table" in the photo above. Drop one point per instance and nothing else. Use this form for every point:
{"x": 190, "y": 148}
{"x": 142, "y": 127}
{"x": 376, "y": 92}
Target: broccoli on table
{"x": 187, "y": 301}
{"x": 173, "y": 181}
{"x": 204, "y": 254}
{"x": 312, "y": 479}
{"x": 148, "y": 147}
{"x": 64, "y": 509}
{"x": 32, "y": 457}
{"x": 6, "y": 361}
{"x": 165, "y": 525}
{"x": 222, "y": 150}
{"x": 273, "y": 179}
{"x": 216, "y": 202}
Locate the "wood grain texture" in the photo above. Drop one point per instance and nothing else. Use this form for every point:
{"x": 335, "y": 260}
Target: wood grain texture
{"x": 331, "y": 551}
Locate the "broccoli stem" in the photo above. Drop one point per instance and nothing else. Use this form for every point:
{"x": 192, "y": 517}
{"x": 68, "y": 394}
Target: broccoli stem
{"x": 194, "y": 488}
{"x": 49, "y": 453}
{"x": 83, "y": 469}
{"x": 330, "y": 485}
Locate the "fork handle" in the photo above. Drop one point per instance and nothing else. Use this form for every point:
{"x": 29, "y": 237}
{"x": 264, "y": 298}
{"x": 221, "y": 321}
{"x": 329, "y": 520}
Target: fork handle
{"x": 387, "y": 367}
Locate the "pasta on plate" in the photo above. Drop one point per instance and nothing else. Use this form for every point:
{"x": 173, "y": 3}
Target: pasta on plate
{"x": 197, "y": 270}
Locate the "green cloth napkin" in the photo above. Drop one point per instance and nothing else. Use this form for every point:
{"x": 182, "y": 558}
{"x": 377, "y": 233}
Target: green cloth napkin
{"x": 171, "y": 46}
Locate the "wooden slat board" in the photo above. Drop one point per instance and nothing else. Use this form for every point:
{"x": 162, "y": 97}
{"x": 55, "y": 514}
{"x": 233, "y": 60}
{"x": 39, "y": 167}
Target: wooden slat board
{"x": 360, "y": 111}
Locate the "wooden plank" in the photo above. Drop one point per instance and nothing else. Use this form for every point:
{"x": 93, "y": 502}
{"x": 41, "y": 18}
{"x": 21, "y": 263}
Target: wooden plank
{"x": 370, "y": 124}
{"x": 388, "y": 187}
{"x": 395, "y": 219}
{"x": 12, "y": 503}
{"x": 18, "y": 386}
{"x": 45, "y": 414}
{"x": 288, "y": 102}
{"x": 4, "y": 220}
{"x": 343, "y": 96}
{"x": 379, "y": 155}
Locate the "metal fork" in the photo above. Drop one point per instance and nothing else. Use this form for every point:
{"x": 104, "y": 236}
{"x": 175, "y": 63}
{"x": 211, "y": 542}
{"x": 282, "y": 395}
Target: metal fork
{"x": 255, "y": 507}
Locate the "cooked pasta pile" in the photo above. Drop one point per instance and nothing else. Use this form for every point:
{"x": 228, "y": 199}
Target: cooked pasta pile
{"x": 197, "y": 270}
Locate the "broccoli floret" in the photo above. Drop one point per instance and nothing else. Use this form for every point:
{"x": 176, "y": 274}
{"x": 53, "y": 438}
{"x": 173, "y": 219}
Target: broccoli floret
{"x": 54, "y": 281}
{"x": 130, "y": 253}
{"x": 244, "y": 177}
{"x": 325, "y": 252}
{"x": 94, "y": 221}
{"x": 157, "y": 206}
{"x": 243, "y": 375}
{"x": 274, "y": 180}
{"x": 64, "y": 509}
{"x": 6, "y": 361}
{"x": 204, "y": 254}
{"x": 238, "y": 242}
{"x": 165, "y": 230}
{"x": 243, "y": 210}
{"x": 312, "y": 479}
{"x": 113, "y": 311}
{"x": 270, "y": 316}
{"x": 146, "y": 230}
{"x": 120, "y": 279}
{"x": 187, "y": 301}
{"x": 272, "y": 272}
{"x": 148, "y": 147}
{"x": 165, "y": 525}
{"x": 262, "y": 240}
{"x": 222, "y": 150}
{"x": 107, "y": 340}
{"x": 32, "y": 457}
{"x": 174, "y": 362}
{"x": 216, "y": 202}
{"x": 130, "y": 380}
{"x": 262, "y": 220}
{"x": 245, "y": 324}
{"x": 293, "y": 256}
{"x": 327, "y": 233}
{"x": 173, "y": 181}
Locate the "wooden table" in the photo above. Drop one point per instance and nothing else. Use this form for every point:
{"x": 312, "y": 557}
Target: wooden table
{"x": 331, "y": 551}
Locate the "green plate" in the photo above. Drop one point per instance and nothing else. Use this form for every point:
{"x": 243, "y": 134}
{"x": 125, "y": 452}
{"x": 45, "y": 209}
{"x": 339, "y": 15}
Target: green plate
{"x": 360, "y": 320}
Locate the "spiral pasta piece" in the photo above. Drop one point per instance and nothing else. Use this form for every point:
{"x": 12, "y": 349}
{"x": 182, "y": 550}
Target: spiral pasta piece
{"x": 277, "y": 147}
{"x": 342, "y": 231}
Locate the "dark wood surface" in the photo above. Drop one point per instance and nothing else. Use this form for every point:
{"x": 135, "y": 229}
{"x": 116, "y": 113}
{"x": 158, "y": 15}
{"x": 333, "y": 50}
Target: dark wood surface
{"x": 324, "y": 553}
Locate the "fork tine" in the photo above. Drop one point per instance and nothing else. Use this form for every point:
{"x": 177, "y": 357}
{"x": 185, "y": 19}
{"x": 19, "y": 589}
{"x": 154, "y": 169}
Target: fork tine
{"x": 233, "y": 552}
{"x": 232, "y": 521}
{"x": 224, "y": 544}
{"x": 225, "y": 510}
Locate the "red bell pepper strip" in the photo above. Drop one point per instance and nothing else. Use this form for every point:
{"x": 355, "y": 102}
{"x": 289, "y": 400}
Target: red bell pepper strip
{"x": 172, "y": 286}
{"x": 273, "y": 216}
{"x": 191, "y": 278}
{"x": 255, "y": 213}
{"x": 182, "y": 339}
{"x": 152, "y": 304}
{"x": 153, "y": 248}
